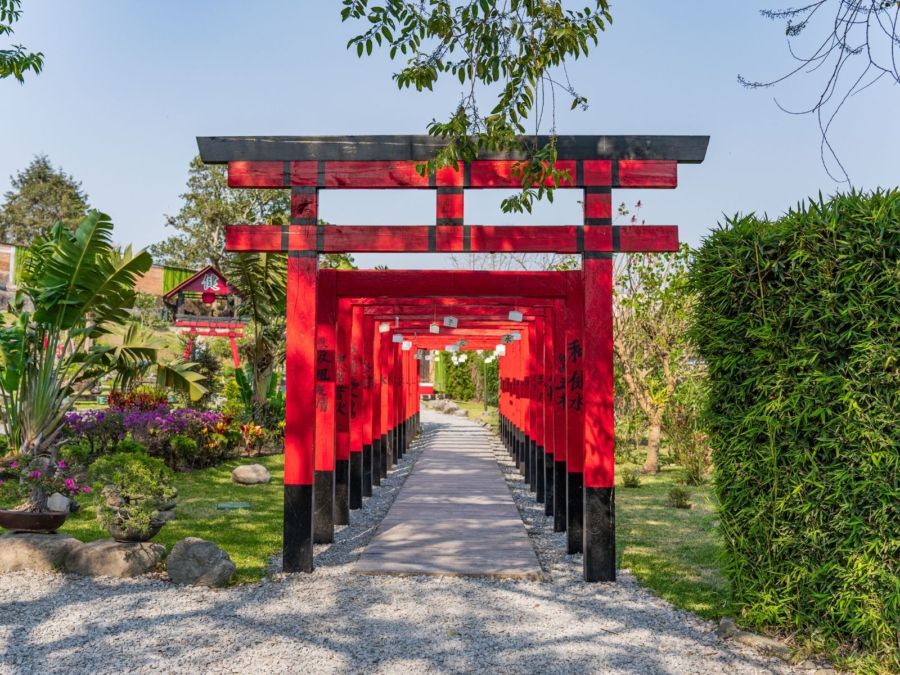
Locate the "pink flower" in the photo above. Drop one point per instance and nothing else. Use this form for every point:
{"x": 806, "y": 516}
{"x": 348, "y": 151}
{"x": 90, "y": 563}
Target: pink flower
{"x": 633, "y": 220}
{"x": 14, "y": 465}
{"x": 35, "y": 474}
{"x": 61, "y": 464}
{"x": 86, "y": 489}
{"x": 638, "y": 205}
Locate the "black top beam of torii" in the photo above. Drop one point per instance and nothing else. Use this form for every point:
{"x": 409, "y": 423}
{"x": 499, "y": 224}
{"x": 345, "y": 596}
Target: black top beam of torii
{"x": 222, "y": 149}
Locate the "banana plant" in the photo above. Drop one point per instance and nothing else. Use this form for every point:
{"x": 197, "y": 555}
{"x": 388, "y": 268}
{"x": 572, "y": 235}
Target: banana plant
{"x": 76, "y": 288}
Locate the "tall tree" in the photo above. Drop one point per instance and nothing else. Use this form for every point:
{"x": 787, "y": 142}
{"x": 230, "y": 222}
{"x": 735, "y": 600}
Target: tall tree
{"x": 854, "y": 44}
{"x": 40, "y": 197}
{"x": 210, "y": 205}
{"x": 516, "y": 48}
{"x": 650, "y": 313}
{"x": 16, "y": 61}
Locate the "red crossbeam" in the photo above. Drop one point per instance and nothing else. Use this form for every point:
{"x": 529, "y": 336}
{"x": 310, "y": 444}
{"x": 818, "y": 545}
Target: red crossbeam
{"x": 483, "y": 238}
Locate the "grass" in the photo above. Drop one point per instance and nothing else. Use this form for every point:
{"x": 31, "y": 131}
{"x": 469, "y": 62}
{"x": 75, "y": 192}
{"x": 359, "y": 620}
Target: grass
{"x": 475, "y": 409}
{"x": 248, "y": 536}
{"x": 673, "y": 552}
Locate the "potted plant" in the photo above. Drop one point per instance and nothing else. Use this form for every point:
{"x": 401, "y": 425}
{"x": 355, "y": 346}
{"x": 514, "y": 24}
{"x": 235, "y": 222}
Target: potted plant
{"x": 35, "y": 482}
{"x": 136, "y": 485}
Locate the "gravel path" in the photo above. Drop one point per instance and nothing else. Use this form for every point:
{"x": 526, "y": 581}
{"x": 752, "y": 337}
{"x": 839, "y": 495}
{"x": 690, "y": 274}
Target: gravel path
{"x": 337, "y": 622}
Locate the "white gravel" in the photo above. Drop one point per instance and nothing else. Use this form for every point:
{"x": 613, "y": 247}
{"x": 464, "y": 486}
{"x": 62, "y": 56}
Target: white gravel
{"x": 337, "y": 622}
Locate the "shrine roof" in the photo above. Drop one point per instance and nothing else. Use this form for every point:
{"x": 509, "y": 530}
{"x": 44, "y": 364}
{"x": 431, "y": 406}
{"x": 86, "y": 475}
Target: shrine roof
{"x": 222, "y": 149}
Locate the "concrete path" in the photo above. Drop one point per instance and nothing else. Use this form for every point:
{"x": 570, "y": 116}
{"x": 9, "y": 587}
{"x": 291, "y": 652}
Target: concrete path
{"x": 454, "y": 515}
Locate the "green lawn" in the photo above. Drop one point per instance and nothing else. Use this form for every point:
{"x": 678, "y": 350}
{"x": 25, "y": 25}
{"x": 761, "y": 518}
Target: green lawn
{"x": 475, "y": 409}
{"x": 249, "y": 537}
{"x": 671, "y": 551}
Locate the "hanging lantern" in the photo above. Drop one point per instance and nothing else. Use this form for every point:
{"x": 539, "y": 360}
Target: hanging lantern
{"x": 208, "y": 297}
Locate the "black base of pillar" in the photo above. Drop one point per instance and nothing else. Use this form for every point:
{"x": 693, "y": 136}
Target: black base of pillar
{"x": 356, "y": 480}
{"x": 342, "y": 492}
{"x": 539, "y": 473}
{"x": 298, "y": 529}
{"x": 377, "y": 452}
{"x": 520, "y": 451}
{"x": 559, "y": 497}
{"x": 386, "y": 455}
{"x": 599, "y": 534}
{"x": 323, "y": 525}
{"x": 574, "y": 513}
{"x": 368, "y": 459}
{"x": 549, "y": 466}
{"x": 530, "y": 455}
{"x": 526, "y": 460}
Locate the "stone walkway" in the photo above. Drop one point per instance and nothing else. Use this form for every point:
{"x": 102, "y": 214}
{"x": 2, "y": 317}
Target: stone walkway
{"x": 454, "y": 515}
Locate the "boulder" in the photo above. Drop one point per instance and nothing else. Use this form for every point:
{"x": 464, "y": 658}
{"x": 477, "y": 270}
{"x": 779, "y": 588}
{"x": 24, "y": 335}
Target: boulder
{"x": 32, "y": 551}
{"x": 196, "y": 562}
{"x": 251, "y": 474}
{"x": 439, "y": 405}
{"x": 450, "y": 408}
{"x": 461, "y": 413}
{"x": 110, "y": 558}
{"x": 58, "y": 502}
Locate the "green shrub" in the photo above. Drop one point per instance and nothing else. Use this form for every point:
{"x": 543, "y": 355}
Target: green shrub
{"x": 4, "y": 445}
{"x": 679, "y": 498}
{"x": 128, "y": 445}
{"x": 798, "y": 323}
{"x": 185, "y": 450}
{"x": 630, "y": 480}
{"x": 78, "y": 452}
{"x": 141, "y": 481}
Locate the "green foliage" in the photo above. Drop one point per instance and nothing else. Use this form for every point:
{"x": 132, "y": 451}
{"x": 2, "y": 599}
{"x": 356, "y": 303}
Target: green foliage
{"x": 630, "y": 479}
{"x": 185, "y": 450}
{"x": 40, "y": 197}
{"x": 210, "y": 205}
{"x": 798, "y": 323}
{"x": 679, "y": 498}
{"x": 128, "y": 445}
{"x": 141, "y": 481}
{"x": 653, "y": 358}
{"x": 510, "y": 47}
{"x": 78, "y": 452}
{"x": 16, "y": 61}
{"x": 82, "y": 289}
{"x": 149, "y": 311}
{"x": 209, "y": 366}
{"x": 458, "y": 382}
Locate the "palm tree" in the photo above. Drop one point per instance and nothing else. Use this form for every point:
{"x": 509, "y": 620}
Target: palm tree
{"x": 81, "y": 288}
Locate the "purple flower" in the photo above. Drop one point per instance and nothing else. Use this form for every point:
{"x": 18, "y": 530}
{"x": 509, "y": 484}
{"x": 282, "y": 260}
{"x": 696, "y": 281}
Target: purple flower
{"x": 35, "y": 474}
{"x": 86, "y": 489}
{"x": 61, "y": 464}
{"x": 14, "y": 465}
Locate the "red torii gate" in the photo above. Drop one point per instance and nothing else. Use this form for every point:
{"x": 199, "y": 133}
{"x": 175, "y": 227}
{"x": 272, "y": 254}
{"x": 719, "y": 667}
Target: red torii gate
{"x": 306, "y": 165}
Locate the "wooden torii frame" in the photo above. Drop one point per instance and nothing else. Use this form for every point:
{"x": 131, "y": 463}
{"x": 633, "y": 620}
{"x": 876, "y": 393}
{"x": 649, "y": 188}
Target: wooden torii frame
{"x": 307, "y": 164}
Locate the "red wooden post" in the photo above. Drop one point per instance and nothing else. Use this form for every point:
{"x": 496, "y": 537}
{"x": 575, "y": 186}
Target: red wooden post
{"x": 299, "y": 434}
{"x": 599, "y": 430}
{"x": 546, "y": 412}
{"x": 572, "y": 388}
{"x": 235, "y": 356}
{"x": 342, "y": 406}
{"x": 357, "y": 406}
{"x": 370, "y": 405}
{"x": 378, "y": 417}
{"x": 558, "y": 403}
{"x": 326, "y": 363}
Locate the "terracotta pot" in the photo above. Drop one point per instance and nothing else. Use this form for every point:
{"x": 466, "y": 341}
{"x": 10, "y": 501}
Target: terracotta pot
{"x": 121, "y": 532}
{"x": 25, "y": 521}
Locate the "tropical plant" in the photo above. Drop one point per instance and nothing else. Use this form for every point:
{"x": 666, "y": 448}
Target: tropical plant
{"x": 82, "y": 289}
{"x": 134, "y": 486}
{"x": 262, "y": 281}
{"x": 16, "y": 61}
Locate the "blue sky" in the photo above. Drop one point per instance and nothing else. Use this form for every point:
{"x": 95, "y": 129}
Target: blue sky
{"x": 128, "y": 86}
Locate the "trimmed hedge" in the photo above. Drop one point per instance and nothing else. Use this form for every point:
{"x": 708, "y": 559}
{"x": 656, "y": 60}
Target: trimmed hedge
{"x": 798, "y": 322}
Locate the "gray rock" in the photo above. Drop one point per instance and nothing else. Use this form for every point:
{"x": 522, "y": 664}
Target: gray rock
{"x": 166, "y": 506}
{"x": 439, "y": 405}
{"x": 450, "y": 408}
{"x": 196, "y": 562}
{"x": 765, "y": 645}
{"x": 110, "y": 558}
{"x": 113, "y": 499}
{"x": 32, "y": 551}
{"x": 58, "y": 502}
{"x": 165, "y": 516}
{"x": 461, "y": 413}
{"x": 726, "y": 628}
{"x": 251, "y": 474}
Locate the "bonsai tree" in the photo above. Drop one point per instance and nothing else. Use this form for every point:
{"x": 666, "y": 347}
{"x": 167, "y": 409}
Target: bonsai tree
{"x": 38, "y": 481}
{"x": 135, "y": 485}
{"x": 76, "y": 288}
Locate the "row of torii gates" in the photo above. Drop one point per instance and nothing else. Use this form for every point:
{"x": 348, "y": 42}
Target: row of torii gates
{"x": 353, "y": 336}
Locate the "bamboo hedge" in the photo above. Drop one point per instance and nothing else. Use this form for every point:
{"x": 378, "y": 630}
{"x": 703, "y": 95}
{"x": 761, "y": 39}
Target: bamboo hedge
{"x": 798, "y": 322}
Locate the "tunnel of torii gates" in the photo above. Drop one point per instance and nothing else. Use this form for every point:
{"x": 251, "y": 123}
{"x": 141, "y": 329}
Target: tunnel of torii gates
{"x": 582, "y": 322}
